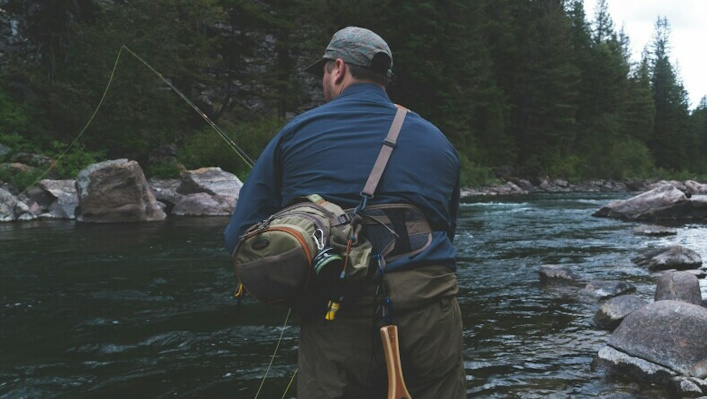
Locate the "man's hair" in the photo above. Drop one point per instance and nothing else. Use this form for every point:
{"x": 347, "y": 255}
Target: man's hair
{"x": 362, "y": 73}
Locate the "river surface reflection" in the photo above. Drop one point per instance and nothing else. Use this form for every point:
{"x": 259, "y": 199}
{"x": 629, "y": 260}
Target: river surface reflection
{"x": 146, "y": 310}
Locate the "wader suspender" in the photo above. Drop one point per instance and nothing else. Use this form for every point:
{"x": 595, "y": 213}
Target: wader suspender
{"x": 382, "y": 160}
{"x": 389, "y": 332}
{"x": 367, "y": 193}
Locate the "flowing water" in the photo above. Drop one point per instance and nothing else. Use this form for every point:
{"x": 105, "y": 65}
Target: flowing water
{"x": 146, "y": 310}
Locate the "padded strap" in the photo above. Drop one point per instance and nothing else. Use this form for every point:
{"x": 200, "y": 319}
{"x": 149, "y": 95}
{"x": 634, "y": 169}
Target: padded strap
{"x": 384, "y": 154}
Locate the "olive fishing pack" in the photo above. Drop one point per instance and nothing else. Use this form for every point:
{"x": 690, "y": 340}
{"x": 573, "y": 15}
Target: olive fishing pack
{"x": 277, "y": 259}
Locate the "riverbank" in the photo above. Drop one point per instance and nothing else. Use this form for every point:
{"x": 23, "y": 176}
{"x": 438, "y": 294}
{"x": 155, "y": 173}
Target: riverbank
{"x": 100, "y": 193}
{"x": 522, "y": 186}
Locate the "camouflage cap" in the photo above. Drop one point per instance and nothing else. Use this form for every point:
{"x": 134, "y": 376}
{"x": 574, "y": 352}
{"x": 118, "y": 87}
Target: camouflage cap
{"x": 356, "y": 46}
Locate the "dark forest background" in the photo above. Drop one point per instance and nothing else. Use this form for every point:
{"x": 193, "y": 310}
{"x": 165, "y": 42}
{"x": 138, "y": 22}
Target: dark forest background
{"x": 520, "y": 87}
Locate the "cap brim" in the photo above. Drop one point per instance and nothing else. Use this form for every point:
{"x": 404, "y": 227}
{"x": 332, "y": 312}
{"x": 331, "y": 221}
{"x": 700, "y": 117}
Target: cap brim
{"x": 317, "y": 68}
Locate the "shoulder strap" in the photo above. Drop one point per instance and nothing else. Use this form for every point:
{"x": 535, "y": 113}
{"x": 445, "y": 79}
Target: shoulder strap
{"x": 383, "y": 156}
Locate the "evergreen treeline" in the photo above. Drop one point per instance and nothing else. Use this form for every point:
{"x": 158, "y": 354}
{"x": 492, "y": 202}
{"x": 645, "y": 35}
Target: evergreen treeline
{"x": 525, "y": 87}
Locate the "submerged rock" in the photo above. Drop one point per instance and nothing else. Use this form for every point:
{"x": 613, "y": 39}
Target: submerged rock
{"x": 600, "y": 290}
{"x": 670, "y": 257}
{"x": 558, "y": 275}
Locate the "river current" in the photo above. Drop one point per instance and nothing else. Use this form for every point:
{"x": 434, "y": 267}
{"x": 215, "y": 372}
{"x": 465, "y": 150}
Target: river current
{"x": 146, "y": 310}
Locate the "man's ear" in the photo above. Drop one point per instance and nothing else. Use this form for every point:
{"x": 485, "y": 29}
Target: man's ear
{"x": 340, "y": 70}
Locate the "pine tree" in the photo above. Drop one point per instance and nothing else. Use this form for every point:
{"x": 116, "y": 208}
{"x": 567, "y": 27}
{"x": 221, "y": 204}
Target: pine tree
{"x": 544, "y": 102}
{"x": 669, "y": 140}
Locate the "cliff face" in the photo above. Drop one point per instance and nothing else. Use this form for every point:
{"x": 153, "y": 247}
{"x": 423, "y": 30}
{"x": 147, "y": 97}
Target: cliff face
{"x": 12, "y": 41}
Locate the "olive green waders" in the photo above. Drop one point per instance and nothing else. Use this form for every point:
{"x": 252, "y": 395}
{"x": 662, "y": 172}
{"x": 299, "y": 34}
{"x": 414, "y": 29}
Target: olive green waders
{"x": 344, "y": 358}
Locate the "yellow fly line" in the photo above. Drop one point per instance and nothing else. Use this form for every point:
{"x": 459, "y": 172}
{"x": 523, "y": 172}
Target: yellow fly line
{"x": 221, "y": 134}
{"x": 248, "y": 161}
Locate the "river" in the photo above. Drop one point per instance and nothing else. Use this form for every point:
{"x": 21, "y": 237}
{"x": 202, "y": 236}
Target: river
{"x": 146, "y": 310}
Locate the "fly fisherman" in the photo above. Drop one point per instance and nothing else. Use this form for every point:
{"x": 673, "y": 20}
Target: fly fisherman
{"x": 330, "y": 151}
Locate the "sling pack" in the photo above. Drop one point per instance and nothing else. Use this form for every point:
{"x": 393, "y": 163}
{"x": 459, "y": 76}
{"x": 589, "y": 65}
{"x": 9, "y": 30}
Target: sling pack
{"x": 276, "y": 259}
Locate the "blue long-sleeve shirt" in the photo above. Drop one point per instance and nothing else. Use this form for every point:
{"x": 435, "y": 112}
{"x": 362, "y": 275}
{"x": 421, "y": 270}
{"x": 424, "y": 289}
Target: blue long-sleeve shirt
{"x": 330, "y": 151}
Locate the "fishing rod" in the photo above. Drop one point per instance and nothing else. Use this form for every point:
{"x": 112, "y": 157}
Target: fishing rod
{"x": 239, "y": 151}
{"x": 389, "y": 333}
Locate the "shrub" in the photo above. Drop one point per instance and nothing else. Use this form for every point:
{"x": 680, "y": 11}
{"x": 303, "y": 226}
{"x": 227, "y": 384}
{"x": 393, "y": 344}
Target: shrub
{"x": 205, "y": 148}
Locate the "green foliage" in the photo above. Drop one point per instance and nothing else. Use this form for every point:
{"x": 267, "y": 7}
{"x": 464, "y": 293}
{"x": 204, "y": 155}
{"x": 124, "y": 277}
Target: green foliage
{"x": 532, "y": 85}
{"x": 12, "y": 118}
{"x": 168, "y": 170}
{"x": 20, "y": 179}
{"x": 207, "y": 148}
{"x": 15, "y": 142}
{"x": 70, "y": 162}
{"x": 473, "y": 174}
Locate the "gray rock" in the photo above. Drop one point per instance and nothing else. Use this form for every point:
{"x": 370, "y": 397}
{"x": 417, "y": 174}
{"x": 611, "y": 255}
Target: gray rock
{"x": 695, "y": 188}
{"x": 7, "y": 206}
{"x": 115, "y": 191}
{"x": 613, "y": 311}
{"x": 165, "y": 191}
{"x": 671, "y": 257}
{"x": 12, "y": 209}
{"x": 620, "y": 363}
{"x": 600, "y": 290}
{"x": 36, "y": 160}
{"x": 671, "y": 334}
{"x": 685, "y": 387}
{"x": 679, "y": 286}
{"x": 4, "y": 150}
{"x": 64, "y": 198}
{"x": 558, "y": 275}
{"x": 212, "y": 181}
{"x": 665, "y": 202}
{"x": 203, "y": 204}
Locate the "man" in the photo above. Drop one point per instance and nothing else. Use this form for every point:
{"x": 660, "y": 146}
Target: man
{"x": 330, "y": 151}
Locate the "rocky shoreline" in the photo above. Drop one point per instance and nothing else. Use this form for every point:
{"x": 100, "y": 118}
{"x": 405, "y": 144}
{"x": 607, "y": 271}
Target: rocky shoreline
{"x": 117, "y": 190}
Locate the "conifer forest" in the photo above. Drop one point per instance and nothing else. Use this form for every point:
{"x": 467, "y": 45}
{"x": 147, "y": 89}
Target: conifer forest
{"x": 520, "y": 87}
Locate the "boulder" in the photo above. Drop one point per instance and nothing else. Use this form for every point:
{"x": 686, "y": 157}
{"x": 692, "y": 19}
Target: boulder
{"x": 212, "y": 181}
{"x": 203, "y": 204}
{"x": 601, "y": 290}
{"x": 620, "y": 363}
{"x": 695, "y": 188}
{"x": 35, "y": 160}
{"x": 54, "y": 199}
{"x": 671, "y": 257}
{"x": 613, "y": 311}
{"x": 679, "y": 286}
{"x": 165, "y": 191}
{"x": 7, "y": 206}
{"x": 671, "y": 334}
{"x": 12, "y": 209}
{"x": 115, "y": 191}
{"x": 664, "y": 202}
{"x": 686, "y": 387}
{"x": 558, "y": 275}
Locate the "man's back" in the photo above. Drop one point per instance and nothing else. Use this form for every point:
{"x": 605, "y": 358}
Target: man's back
{"x": 330, "y": 151}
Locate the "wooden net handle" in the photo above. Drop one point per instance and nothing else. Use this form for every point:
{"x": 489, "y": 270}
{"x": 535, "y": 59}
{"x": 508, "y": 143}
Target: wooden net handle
{"x": 391, "y": 349}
